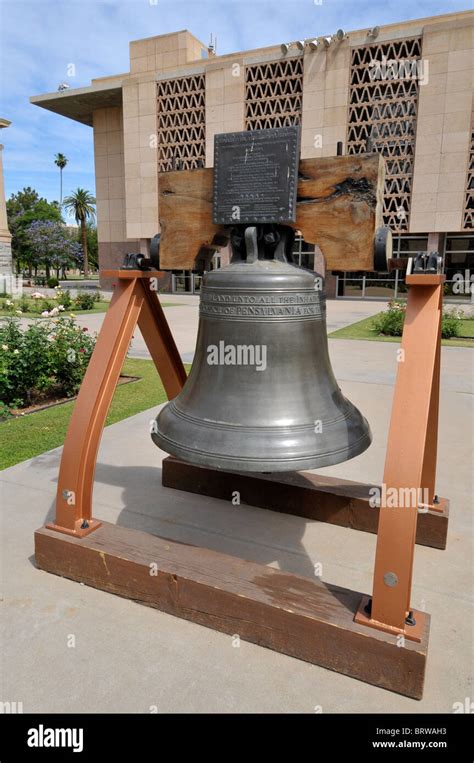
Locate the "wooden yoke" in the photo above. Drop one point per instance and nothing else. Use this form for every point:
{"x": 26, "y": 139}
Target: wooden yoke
{"x": 339, "y": 208}
{"x": 133, "y": 301}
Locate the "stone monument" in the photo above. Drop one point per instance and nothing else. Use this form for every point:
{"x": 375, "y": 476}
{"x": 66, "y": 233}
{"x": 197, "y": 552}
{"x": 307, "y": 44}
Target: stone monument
{"x": 6, "y": 268}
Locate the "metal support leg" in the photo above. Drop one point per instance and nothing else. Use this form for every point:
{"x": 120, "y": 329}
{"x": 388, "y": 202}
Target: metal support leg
{"x": 132, "y": 301}
{"x": 410, "y": 461}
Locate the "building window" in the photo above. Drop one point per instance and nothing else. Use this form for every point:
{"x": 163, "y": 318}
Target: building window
{"x": 382, "y": 285}
{"x": 408, "y": 246}
{"x": 468, "y": 219}
{"x": 302, "y": 253}
{"x": 181, "y": 123}
{"x": 274, "y": 94}
{"x": 383, "y": 103}
{"x": 458, "y": 255}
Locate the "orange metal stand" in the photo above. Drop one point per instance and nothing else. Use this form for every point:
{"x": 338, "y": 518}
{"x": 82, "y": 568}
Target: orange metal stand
{"x": 410, "y": 463}
{"x": 133, "y": 302}
{"x": 411, "y": 450}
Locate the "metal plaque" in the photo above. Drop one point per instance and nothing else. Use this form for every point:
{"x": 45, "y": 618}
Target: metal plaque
{"x": 256, "y": 176}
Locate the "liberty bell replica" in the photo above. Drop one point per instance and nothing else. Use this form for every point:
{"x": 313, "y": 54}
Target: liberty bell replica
{"x": 261, "y": 395}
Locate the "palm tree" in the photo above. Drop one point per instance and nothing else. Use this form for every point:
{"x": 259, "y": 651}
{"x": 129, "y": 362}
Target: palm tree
{"x": 60, "y": 161}
{"x": 81, "y": 203}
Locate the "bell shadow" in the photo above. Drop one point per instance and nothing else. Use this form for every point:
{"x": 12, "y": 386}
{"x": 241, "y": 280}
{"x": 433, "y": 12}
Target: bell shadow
{"x": 243, "y": 531}
{"x": 248, "y": 532}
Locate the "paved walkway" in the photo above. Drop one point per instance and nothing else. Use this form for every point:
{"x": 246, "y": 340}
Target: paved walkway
{"x": 130, "y": 658}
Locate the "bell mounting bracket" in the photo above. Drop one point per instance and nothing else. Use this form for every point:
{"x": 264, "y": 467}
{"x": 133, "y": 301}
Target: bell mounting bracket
{"x": 262, "y": 241}
{"x": 139, "y": 261}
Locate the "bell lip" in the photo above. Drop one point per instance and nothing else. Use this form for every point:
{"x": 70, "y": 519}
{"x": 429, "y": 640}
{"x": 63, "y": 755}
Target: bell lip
{"x": 255, "y": 466}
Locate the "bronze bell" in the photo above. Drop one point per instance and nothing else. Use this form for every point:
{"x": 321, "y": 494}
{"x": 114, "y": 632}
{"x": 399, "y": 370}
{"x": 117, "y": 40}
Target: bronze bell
{"x": 261, "y": 395}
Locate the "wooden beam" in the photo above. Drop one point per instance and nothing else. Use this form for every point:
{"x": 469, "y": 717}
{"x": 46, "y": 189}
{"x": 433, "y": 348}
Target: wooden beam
{"x": 302, "y": 494}
{"x": 339, "y": 208}
{"x": 301, "y": 617}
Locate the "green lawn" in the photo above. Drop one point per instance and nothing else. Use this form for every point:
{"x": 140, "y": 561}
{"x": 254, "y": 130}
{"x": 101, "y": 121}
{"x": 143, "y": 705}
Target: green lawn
{"x": 90, "y": 277}
{"x": 364, "y": 330}
{"x": 35, "y": 433}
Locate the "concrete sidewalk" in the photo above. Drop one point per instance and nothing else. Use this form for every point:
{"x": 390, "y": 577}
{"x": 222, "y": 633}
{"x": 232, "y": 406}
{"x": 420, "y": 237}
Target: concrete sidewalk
{"x": 128, "y": 657}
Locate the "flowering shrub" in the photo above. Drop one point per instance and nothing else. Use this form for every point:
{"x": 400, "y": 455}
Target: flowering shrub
{"x": 46, "y": 305}
{"x": 451, "y": 323}
{"x": 23, "y": 304}
{"x": 390, "y": 322}
{"x": 71, "y": 348}
{"x": 49, "y": 307}
{"x": 8, "y": 305}
{"x": 45, "y": 356}
{"x": 84, "y": 300}
{"x": 64, "y": 297}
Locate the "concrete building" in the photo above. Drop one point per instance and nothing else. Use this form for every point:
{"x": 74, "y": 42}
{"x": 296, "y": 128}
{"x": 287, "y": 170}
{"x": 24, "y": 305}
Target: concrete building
{"x": 404, "y": 90}
{"x": 5, "y": 235}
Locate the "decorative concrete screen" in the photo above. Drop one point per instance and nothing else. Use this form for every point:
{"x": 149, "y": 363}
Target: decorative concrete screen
{"x": 468, "y": 219}
{"x": 181, "y": 123}
{"x": 383, "y": 104}
{"x": 274, "y": 94}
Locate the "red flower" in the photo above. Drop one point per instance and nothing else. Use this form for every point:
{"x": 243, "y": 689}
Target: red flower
{"x": 85, "y": 329}
{"x": 81, "y": 349}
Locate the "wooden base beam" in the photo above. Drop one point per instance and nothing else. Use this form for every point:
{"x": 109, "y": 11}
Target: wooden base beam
{"x": 303, "y": 494}
{"x": 303, "y": 618}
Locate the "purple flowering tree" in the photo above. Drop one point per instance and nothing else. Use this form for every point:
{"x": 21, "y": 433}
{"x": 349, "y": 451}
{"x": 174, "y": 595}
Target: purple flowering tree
{"x": 52, "y": 246}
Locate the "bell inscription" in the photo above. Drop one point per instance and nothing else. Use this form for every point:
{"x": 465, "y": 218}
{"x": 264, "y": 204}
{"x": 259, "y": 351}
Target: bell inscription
{"x": 256, "y": 176}
{"x": 297, "y": 305}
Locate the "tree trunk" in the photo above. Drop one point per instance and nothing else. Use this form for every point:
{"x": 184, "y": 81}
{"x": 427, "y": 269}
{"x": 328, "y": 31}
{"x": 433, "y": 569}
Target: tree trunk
{"x": 84, "y": 248}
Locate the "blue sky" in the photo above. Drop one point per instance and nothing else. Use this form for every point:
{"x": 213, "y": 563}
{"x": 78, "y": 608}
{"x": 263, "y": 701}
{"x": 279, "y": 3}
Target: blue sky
{"x": 40, "y": 38}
